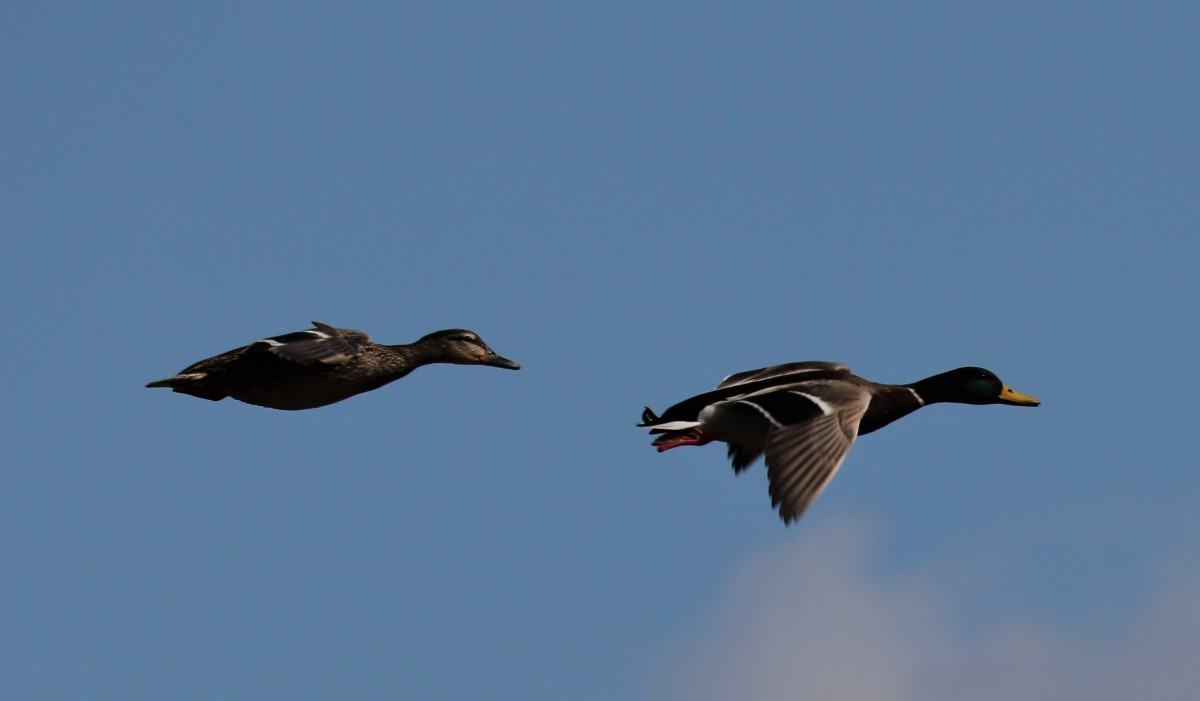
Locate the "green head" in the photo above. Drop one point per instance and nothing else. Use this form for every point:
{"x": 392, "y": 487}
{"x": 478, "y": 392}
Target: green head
{"x": 970, "y": 386}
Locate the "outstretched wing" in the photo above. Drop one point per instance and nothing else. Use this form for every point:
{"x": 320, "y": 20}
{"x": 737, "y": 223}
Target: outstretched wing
{"x": 746, "y": 422}
{"x": 780, "y": 371}
{"x": 803, "y": 457}
{"x": 750, "y": 382}
{"x": 321, "y": 345}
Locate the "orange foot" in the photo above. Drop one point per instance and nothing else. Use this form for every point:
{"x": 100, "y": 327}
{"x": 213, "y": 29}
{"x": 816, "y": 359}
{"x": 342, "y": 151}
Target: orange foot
{"x": 692, "y": 436}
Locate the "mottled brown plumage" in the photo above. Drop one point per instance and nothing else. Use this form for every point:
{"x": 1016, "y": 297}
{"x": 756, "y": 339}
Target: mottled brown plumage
{"x": 322, "y": 365}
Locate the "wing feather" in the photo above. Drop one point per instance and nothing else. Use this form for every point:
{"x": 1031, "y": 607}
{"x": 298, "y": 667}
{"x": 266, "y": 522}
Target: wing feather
{"x": 772, "y": 371}
{"x": 802, "y": 458}
{"x": 320, "y": 345}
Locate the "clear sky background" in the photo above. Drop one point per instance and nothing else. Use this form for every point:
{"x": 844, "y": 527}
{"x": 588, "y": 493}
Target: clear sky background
{"x": 632, "y": 200}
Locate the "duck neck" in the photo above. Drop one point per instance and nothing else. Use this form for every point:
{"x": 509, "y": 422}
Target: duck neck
{"x": 933, "y": 390}
{"x": 889, "y": 403}
{"x": 407, "y": 357}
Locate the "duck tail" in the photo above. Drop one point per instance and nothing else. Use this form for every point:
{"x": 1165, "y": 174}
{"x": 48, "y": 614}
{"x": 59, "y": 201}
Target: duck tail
{"x": 672, "y": 433}
{"x": 190, "y": 383}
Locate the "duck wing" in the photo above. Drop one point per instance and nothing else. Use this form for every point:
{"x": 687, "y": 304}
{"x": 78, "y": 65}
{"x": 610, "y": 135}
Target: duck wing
{"x": 746, "y": 421}
{"x": 781, "y": 371}
{"x": 746, "y": 383}
{"x": 322, "y": 345}
{"x": 803, "y": 456}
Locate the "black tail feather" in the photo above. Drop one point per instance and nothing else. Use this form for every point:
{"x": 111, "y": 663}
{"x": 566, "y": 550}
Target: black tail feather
{"x": 648, "y": 418}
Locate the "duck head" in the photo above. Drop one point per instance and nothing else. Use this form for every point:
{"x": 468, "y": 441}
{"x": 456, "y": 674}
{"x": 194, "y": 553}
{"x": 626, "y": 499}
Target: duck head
{"x": 970, "y": 385}
{"x": 464, "y": 347}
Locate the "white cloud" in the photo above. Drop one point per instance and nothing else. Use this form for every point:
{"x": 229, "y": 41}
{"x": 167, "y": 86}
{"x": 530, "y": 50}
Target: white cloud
{"x": 810, "y": 621}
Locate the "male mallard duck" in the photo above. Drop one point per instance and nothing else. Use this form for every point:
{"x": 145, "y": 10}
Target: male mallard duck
{"x": 323, "y": 365}
{"x": 804, "y": 416}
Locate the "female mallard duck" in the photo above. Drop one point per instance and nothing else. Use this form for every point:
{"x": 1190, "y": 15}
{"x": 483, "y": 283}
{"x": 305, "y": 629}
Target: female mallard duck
{"x": 804, "y": 416}
{"x": 322, "y": 365}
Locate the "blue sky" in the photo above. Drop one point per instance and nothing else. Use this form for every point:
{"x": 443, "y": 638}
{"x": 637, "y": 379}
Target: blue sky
{"x": 632, "y": 200}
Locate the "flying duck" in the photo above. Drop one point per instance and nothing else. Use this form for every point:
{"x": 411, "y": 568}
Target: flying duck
{"x": 804, "y": 416}
{"x": 323, "y": 365}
